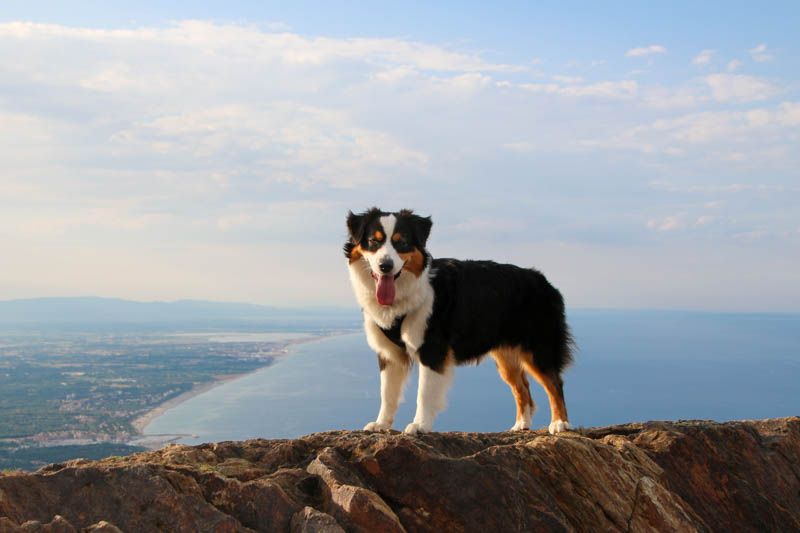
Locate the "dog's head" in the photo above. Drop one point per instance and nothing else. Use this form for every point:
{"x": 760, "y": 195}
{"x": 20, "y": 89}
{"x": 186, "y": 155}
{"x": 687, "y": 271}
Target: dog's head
{"x": 391, "y": 244}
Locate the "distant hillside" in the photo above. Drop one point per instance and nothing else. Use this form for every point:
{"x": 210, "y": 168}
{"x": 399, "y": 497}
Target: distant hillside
{"x": 94, "y": 310}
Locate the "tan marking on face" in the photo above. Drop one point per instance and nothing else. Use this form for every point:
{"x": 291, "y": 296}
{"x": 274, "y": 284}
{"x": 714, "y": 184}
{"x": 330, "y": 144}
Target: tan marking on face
{"x": 396, "y": 237}
{"x": 414, "y": 262}
{"x": 378, "y": 235}
{"x": 355, "y": 254}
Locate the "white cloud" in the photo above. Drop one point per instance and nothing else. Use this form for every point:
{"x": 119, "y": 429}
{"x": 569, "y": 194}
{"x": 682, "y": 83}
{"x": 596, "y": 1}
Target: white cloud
{"x": 521, "y": 147}
{"x": 286, "y": 142}
{"x": 571, "y": 80}
{"x": 396, "y": 74}
{"x": 789, "y": 114}
{"x": 739, "y": 88}
{"x": 752, "y": 235}
{"x": 669, "y": 98}
{"x": 233, "y": 221}
{"x": 49, "y": 223}
{"x": 467, "y": 82}
{"x": 278, "y": 26}
{"x": 622, "y": 89}
{"x": 274, "y": 217}
{"x": 653, "y": 49}
{"x": 719, "y": 87}
{"x": 733, "y": 65}
{"x": 670, "y": 223}
{"x": 605, "y": 89}
{"x": 237, "y": 41}
{"x": 730, "y": 188}
{"x": 709, "y": 126}
{"x": 703, "y": 58}
{"x": 118, "y": 77}
{"x": 761, "y": 53}
{"x": 756, "y": 139}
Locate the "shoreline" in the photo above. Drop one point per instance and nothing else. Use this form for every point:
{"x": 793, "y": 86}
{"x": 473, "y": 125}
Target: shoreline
{"x": 139, "y": 438}
{"x": 141, "y": 421}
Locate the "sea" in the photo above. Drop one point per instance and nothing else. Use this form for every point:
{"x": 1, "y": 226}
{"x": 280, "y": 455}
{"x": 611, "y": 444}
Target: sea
{"x": 629, "y": 366}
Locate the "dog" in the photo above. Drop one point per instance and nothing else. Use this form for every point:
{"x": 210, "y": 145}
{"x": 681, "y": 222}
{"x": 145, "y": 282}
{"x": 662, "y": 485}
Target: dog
{"x": 445, "y": 312}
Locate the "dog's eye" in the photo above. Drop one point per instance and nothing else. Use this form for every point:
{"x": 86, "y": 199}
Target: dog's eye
{"x": 400, "y": 241}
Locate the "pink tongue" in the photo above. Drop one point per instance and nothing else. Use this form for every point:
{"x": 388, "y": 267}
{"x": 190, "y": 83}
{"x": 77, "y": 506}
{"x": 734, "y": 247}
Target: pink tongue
{"x": 385, "y": 290}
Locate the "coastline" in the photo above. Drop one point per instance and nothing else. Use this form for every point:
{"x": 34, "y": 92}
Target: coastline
{"x": 141, "y": 421}
{"x": 156, "y": 441}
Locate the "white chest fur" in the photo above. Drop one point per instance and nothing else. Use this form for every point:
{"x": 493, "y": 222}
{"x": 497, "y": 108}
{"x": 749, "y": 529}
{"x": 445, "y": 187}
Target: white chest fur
{"x": 414, "y": 300}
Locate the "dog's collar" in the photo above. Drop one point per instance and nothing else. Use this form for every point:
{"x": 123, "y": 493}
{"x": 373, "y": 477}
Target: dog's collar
{"x": 393, "y": 333}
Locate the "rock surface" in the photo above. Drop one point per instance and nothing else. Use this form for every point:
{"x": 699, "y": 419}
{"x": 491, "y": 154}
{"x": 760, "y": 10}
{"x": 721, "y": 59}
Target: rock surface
{"x": 683, "y": 476}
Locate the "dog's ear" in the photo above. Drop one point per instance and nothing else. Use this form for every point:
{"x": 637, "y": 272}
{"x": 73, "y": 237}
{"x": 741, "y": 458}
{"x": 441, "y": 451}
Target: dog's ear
{"x": 422, "y": 227}
{"x": 355, "y": 226}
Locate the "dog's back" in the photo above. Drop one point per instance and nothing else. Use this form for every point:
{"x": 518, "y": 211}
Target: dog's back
{"x": 483, "y": 305}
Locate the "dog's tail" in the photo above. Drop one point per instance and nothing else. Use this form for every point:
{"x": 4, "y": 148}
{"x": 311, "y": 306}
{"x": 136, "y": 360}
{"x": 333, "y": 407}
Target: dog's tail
{"x": 564, "y": 343}
{"x": 555, "y": 344}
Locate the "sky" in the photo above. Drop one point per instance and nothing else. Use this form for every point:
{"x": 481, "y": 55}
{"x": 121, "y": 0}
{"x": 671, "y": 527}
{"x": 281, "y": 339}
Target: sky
{"x": 642, "y": 155}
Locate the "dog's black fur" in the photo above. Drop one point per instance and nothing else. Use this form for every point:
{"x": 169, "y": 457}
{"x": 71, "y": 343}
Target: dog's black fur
{"x": 480, "y": 305}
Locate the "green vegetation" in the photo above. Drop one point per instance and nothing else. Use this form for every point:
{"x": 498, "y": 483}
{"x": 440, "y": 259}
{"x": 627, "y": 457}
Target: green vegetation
{"x": 67, "y": 390}
{"x": 32, "y": 458}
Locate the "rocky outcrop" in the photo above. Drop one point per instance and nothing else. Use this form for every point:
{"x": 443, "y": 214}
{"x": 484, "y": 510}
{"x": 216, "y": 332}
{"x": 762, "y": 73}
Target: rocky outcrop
{"x": 684, "y": 476}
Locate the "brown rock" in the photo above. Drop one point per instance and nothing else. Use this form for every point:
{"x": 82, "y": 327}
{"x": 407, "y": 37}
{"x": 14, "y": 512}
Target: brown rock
{"x": 103, "y": 527}
{"x": 657, "y": 476}
{"x": 742, "y": 476}
{"x": 57, "y": 525}
{"x": 346, "y": 498}
{"x": 309, "y": 520}
{"x": 7, "y": 525}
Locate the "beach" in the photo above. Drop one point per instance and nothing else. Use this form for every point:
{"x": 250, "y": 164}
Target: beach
{"x": 158, "y": 440}
{"x": 139, "y": 423}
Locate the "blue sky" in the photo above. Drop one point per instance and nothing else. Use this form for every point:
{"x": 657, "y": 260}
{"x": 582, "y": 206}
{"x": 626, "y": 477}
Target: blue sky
{"x": 640, "y": 154}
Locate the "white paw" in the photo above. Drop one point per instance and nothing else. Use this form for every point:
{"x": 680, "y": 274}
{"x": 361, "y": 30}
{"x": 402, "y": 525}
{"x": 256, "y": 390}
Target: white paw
{"x": 377, "y": 426}
{"x": 557, "y": 426}
{"x": 415, "y": 427}
{"x": 521, "y": 425}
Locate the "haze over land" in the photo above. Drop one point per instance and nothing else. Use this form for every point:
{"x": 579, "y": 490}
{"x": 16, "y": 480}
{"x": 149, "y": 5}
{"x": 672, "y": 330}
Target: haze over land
{"x": 86, "y": 311}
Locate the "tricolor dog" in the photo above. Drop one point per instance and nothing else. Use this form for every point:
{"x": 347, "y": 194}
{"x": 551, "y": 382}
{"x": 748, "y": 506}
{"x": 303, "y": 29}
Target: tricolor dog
{"x": 445, "y": 312}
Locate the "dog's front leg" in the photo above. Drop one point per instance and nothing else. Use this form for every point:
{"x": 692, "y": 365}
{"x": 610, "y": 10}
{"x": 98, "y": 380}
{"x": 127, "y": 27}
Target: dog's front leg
{"x": 394, "y": 364}
{"x": 431, "y": 396}
{"x": 393, "y": 378}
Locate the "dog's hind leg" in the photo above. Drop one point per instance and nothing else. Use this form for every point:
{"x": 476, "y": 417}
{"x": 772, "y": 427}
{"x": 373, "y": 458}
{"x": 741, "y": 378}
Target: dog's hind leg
{"x": 553, "y": 386}
{"x": 509, "y": 366}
